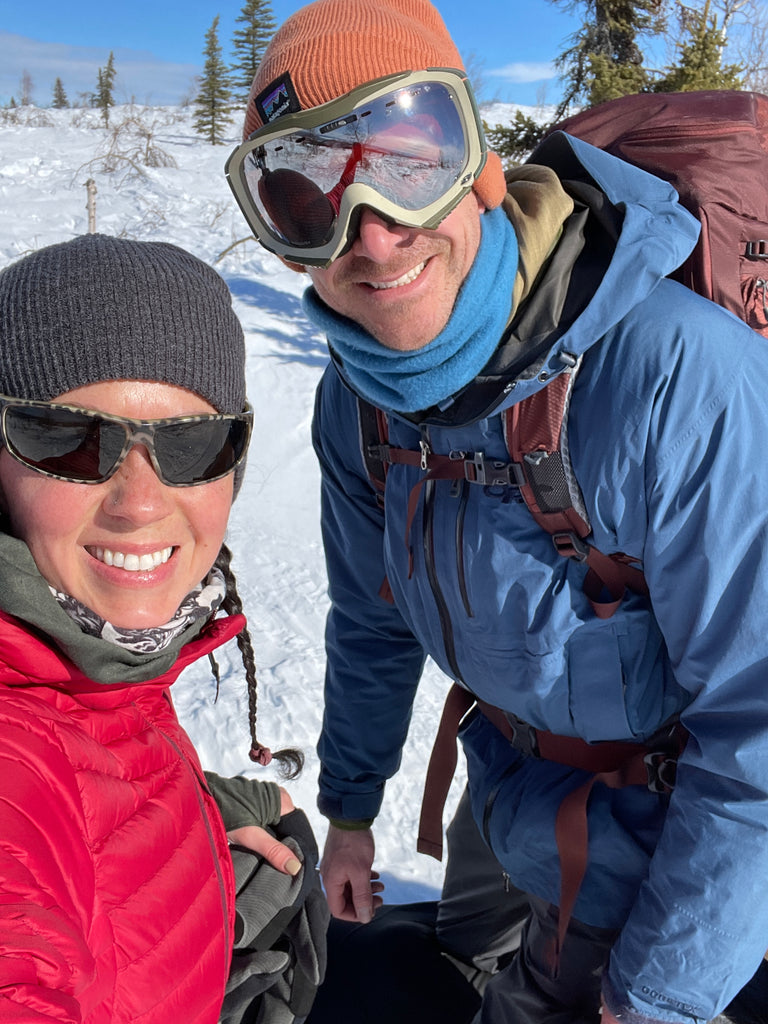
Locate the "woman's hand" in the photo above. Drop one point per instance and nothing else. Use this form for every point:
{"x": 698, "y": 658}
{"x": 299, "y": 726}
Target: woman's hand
{"x": 260, "y": 841}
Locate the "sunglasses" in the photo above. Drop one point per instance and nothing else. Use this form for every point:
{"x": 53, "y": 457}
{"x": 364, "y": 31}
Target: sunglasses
{"x": 409, "y": 146}
{"x": 87, "y": 447}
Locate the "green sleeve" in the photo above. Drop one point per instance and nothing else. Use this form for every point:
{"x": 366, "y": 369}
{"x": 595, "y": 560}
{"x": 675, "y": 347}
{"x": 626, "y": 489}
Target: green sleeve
{"x": 245, "y": 801}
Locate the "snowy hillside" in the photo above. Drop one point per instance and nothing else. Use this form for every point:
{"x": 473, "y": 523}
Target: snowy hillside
{"x": 46, "y": 158}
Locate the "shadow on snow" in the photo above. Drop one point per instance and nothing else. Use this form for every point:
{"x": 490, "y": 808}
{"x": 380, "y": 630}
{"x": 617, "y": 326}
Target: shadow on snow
{"x": 300, "y": 339}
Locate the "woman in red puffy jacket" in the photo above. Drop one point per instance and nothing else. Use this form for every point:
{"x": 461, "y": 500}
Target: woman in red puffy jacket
{"x": 124, "y": 431}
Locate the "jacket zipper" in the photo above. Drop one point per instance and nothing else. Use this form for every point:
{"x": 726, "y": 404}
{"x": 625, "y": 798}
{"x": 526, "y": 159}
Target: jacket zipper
{"x": 202, "y": 784}
{"x": 444, "y": 617}
{"x": 460, "y": 515}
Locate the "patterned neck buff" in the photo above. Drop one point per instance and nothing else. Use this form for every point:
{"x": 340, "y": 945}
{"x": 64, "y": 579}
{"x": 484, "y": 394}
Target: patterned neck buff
{"x": 202, "y": 602}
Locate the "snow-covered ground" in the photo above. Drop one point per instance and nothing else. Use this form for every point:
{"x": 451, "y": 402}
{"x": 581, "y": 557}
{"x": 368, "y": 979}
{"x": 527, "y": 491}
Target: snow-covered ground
{"x": 46, "y": 159}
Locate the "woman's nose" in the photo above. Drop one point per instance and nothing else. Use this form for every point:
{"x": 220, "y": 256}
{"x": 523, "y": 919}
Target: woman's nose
{"x": 136, "y": 493}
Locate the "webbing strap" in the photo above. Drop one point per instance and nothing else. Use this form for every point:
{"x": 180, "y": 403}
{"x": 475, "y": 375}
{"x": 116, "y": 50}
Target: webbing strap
{"x": 473, "y": 467}
{"x": 572, "y": 838}
{"x": 539, "y": 470}
{"x": 440, "y": 772}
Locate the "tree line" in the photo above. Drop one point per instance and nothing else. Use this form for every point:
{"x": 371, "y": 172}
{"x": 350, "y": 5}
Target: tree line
{"x": 102, "y": 96}
{"x": 222, "y": 88}
{"x": 710, "y": 44}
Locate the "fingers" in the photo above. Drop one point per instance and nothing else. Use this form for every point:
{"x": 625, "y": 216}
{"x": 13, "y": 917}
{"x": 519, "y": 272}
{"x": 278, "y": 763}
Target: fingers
{"x": 260, "y": 841}
{"x": 351, "y": 886}
{"x": 350, "y": 904}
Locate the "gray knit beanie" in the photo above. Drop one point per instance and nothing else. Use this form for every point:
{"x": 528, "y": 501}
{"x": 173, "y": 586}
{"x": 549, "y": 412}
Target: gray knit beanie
{"x": 100, "y": 308}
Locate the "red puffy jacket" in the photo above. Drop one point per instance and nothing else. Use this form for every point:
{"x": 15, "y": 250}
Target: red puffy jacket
{"x": 116, "y": 885}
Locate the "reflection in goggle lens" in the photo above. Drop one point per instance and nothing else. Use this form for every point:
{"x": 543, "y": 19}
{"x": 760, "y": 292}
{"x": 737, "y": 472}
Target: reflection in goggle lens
{"x": 408, "y": 146}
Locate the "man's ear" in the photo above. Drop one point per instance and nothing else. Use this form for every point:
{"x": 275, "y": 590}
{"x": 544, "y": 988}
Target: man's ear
{"x": 298, "y": 267}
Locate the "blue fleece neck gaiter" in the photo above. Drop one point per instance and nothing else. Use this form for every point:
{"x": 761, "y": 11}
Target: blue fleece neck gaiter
{"x": 410, "y": 381}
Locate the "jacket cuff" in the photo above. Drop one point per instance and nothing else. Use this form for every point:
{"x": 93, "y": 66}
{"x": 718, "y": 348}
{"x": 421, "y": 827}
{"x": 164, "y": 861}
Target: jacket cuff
{"x": 626, "y": 1014}
{"x": 244, "y": 801}
{"x": 351, "y": 825}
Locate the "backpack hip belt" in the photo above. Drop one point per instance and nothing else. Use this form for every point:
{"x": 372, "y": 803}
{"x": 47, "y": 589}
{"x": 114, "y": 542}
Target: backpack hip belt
{"x": 615, "y": 764}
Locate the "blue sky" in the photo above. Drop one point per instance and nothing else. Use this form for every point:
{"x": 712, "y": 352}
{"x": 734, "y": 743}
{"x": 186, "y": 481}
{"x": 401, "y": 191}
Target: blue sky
{"x": 158, "y": 45}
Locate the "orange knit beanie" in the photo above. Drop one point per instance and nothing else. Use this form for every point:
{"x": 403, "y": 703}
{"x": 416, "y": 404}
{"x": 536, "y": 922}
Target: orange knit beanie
{"x": 333, "y": 46}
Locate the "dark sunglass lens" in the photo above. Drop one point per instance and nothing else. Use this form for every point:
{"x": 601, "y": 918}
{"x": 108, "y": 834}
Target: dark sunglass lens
{"x": 191, "y": 453}
{"x": 302, "y": 213}
{"x": 69, "y": 444}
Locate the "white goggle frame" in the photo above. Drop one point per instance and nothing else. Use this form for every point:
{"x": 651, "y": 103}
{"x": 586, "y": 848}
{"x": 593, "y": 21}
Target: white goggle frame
{"x": 357, "y": 195}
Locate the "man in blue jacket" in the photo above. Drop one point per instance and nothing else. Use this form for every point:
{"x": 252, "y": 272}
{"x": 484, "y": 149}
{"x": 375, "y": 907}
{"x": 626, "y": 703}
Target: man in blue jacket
{"x": 448, "y": 296}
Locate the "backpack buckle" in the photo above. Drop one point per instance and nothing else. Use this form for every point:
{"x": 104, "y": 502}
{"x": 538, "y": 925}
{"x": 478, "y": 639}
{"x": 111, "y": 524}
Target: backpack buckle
{"x": 523, "y": 736}
{"x": 570, "y": 545}
{"x": 758, "y": 249}
{"x": 490, "y": 473}
{"x": 662, "y": 771}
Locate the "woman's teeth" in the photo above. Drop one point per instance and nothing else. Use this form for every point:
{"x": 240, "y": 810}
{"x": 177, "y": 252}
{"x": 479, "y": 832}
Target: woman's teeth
{"x": 411, "y": 275}
{"x": 133, "y": 563}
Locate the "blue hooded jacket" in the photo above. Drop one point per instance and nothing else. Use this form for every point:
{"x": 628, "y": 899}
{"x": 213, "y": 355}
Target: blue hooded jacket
{"x": 668, "y": 417}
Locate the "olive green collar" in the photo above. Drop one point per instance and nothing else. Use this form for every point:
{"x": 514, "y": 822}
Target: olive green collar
{"x": 25, "y": 595}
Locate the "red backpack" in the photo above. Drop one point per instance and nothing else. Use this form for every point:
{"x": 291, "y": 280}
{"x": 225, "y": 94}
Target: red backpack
{"x": 713, "y": 147}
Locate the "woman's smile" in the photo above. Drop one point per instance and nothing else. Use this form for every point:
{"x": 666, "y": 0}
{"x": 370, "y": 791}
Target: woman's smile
{"x": 129, "y": 561}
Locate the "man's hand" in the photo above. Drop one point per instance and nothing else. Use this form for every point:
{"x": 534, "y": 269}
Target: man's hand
{"x": 351, "y": 886}
{"x": 261, "y": 842}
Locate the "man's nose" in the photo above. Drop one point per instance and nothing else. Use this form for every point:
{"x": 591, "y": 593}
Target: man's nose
{"x": 377, "y": 237}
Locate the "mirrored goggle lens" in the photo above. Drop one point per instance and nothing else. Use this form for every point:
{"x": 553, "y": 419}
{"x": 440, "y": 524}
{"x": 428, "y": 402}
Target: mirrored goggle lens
{"x": 408, "y": 145}
{"x": 86, "y": 448}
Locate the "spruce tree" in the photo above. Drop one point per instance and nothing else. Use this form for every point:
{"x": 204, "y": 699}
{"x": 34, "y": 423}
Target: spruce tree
{"x": 104, "y": 97}
{"x": 213, "y": 101}
{"x": 700, "y": 58}
{"x": 249, "y": 44}
{"x": 514, "y": 142}
{"x": 60, "y": 100}
{"x": 604, "y": 60}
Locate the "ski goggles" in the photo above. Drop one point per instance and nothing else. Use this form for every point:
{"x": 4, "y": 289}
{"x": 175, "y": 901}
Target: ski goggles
{"x": 87, "y": 447}
{"x": 409, "y": 146}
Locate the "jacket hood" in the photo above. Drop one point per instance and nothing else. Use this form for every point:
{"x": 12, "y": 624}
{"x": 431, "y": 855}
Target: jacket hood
{"x": 628, "y": 230}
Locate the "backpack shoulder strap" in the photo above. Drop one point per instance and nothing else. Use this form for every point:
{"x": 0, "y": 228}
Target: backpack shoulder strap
{"x": 536, "y": 435}
{"x": 535, "y": 431}
{"x": 373, "y": 433}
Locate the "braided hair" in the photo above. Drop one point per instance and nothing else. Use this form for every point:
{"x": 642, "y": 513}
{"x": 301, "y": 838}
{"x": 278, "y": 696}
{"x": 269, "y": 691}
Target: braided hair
{"x": 290, "y": 759}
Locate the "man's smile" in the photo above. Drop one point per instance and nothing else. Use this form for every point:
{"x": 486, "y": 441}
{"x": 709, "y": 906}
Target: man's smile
{"x": 406, "y": 278}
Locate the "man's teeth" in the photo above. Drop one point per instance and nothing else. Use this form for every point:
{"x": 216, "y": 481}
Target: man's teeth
{"x": 411, "y": 275}
{"x": 133, "y": 563}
